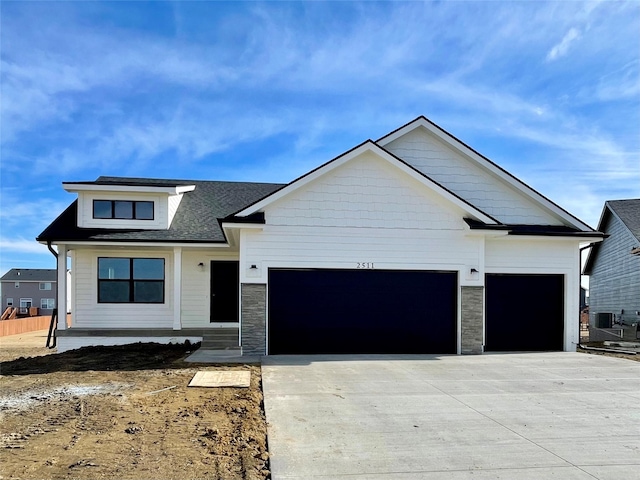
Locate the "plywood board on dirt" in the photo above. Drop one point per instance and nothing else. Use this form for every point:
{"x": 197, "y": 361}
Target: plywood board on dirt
{"x": 221, "y": 379}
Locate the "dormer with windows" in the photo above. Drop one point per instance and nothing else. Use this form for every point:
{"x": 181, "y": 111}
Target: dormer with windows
{"x": 130, "y": 205}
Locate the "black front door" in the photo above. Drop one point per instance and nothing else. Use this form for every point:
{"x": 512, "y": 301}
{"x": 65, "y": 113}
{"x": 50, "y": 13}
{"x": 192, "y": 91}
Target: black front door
{"x": 225, "y": 279}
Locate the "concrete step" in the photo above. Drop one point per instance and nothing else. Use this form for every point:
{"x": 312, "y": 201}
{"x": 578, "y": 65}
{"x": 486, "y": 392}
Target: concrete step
{"x": 220, "y": 339}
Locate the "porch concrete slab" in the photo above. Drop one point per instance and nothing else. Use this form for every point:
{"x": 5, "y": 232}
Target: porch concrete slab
{"x": 540, "y": 415}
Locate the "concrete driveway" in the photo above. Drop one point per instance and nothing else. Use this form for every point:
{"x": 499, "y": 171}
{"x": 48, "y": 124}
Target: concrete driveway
{"x": 502, "y": 416}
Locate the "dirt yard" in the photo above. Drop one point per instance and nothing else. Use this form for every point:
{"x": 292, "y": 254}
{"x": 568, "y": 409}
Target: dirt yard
{"x": 101, "y": 412}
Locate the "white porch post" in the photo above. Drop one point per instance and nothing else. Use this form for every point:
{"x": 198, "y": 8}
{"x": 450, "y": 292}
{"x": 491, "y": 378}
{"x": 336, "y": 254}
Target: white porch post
{"x": 177, "y": 287}
{"x": 61, "y": 301}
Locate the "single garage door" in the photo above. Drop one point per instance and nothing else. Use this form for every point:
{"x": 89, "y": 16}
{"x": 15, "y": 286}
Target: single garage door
{"x": 361, "y": 311}
{"x": 524, "y": 312}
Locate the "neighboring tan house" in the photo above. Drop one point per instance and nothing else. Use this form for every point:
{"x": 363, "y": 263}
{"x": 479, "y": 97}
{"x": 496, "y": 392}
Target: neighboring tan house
{"x": 29, "y": 290}
{"x": 414, "y": 243}
{"x": 613, "y": 266}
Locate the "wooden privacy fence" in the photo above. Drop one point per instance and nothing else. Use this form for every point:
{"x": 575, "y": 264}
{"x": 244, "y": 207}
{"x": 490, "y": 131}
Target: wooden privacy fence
{"x": 24, "y": 325}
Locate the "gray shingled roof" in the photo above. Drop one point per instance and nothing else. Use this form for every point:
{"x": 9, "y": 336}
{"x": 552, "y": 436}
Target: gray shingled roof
{"x": 629, "y": 212}
{"x": 196, "y": 221}
{"x": 30, "y": 275}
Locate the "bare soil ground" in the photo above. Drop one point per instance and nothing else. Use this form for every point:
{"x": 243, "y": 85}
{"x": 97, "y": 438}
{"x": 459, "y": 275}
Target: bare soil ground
{"x": 101, "y": 412}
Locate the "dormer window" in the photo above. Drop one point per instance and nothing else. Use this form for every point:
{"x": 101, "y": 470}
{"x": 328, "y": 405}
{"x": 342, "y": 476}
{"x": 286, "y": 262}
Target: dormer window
{"x": 123, "y": 209}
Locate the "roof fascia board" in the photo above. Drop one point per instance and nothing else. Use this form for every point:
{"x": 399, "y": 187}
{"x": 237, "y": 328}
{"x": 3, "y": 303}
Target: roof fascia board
{"x": 252, "y": 226}
{"x": 484, "y": 162}
{"x": 116, "y": 243}
{"x": 88, "y": 187}
{"x": 368, "y": 146}
{"x": 553, "y": 238}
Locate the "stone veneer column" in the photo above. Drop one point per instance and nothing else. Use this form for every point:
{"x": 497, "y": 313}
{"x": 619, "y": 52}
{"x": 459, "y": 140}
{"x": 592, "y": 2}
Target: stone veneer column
{"x": 254, "y": 319}
{"x": 472, "y": 299}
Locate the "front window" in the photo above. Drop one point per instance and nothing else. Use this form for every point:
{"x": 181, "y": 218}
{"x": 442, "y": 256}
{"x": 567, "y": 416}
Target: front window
{"x": 123, "y": 209}
{"x": 45, "y": 285}
{"x": 47, "y": 303}
{"x": 130, "y": 280}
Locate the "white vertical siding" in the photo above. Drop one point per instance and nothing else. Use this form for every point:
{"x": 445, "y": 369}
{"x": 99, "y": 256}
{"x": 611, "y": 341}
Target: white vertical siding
{"x": 479, "y": 187}
{"x": 88, "y": 313}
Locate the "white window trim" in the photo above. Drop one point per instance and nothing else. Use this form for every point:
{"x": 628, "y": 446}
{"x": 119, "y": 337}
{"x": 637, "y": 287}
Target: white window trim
{"x": 46, "y": 302}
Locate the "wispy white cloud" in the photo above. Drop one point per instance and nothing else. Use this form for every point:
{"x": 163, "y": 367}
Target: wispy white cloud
{"x": 269, "y": 90}
{"x": 561, "y": 49}
{"x": 19, "y": 212}
{"x": 21, "y": 245}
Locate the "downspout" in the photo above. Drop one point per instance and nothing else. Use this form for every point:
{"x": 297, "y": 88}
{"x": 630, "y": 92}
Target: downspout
{"x": 54, "y": 314}
{"x": 55, "y": 254}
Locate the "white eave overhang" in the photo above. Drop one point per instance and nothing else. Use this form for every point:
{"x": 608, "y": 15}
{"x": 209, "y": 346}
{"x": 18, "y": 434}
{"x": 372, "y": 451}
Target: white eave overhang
{"x": 129, "y": 244}
{"x": 92, "y": 187}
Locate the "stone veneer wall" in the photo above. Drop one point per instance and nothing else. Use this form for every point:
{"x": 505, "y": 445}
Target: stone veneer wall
{"x": 472, "y": 319}
{"x": 253, "y": 319}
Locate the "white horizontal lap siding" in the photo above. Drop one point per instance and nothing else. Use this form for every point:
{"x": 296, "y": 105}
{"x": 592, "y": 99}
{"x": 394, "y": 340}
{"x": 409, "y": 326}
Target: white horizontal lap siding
{"x": 91, "y": 314}
{"x": 196, "y": 290}
{"x": 364, "y": 212}
{"x": 366, "y": 192}
{"x": 85, "y": 210}
{"x": 468, "y": 180}
{"x": 542, "y": 256}
{"x": 320, "y": 247}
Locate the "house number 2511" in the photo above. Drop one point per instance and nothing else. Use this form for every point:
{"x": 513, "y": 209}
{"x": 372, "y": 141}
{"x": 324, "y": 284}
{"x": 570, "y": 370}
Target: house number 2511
{"x": 364, "y": 265}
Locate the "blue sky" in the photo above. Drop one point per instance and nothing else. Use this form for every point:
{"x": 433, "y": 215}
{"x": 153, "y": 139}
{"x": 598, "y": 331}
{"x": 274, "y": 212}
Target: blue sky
{"x": 267, "y": 91}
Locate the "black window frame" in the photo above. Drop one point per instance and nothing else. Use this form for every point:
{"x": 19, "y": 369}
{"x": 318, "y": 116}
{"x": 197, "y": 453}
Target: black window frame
{"x": 131, "y": 281}
{"x": 134, "y": 210}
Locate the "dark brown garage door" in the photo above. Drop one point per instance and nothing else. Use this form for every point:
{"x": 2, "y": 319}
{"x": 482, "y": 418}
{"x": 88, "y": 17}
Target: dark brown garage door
{"x": 524, "y": 312}
{"x": 361, "y": 311}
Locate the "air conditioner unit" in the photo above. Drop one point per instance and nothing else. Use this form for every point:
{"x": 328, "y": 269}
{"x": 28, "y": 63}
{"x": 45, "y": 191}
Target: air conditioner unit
{"x": 604, "y": 320}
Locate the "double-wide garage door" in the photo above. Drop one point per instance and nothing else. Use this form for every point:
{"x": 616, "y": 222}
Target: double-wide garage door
{"x": 361, "y": 311}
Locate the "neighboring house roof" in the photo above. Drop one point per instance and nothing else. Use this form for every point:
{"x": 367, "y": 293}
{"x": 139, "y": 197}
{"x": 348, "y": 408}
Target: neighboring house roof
{"x": 628, "y": 213}
{"x": 29, "y": 275}
{"x": 196, "y": 220}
